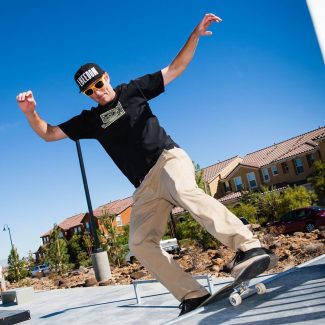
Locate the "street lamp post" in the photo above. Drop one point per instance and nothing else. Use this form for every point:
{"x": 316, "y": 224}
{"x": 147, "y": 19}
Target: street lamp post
{"x": 6, "y": 227}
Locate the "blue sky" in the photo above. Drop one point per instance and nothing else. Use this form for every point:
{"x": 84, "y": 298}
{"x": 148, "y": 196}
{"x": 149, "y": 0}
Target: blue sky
{"x": 259, "y": 79}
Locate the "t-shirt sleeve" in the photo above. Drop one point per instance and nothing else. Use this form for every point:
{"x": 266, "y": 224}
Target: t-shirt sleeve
{"x": 150, "y": 85}
{"x": 78, "y": 127}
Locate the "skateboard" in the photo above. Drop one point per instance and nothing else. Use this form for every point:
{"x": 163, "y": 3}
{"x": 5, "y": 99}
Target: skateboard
{"x": 239, "y": 288}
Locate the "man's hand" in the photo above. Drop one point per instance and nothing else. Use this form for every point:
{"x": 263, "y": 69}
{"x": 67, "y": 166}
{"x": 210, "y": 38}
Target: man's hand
{"x": 26, "y": 102}
{"x": 201, "y": 28}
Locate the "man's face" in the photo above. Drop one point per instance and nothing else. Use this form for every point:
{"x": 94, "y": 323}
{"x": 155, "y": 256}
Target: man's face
{"x": 102, "y": 95}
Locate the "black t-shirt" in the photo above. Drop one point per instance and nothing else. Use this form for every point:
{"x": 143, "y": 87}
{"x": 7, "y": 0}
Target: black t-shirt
{"x": 126, "y": 127}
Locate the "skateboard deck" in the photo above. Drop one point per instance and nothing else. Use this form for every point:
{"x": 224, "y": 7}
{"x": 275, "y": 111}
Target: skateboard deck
{"x": 239, "y": 288}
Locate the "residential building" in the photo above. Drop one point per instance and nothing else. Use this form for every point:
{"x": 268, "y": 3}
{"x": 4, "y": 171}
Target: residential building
{"x": 286, "y": 163}
{"x": 121, "y": 209}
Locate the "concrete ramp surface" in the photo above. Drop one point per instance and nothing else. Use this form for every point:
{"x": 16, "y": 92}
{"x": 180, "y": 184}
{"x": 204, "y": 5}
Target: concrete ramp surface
{"x": 294, "y": 297}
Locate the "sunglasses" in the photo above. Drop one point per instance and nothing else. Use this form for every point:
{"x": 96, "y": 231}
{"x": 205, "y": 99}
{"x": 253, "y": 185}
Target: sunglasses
{"x": 99, "y": 84}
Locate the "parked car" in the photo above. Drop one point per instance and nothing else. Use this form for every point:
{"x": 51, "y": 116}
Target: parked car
{"x": 169, "y": 245}
{"x": 40, "y": 269}
{"x": 304, "y": 220}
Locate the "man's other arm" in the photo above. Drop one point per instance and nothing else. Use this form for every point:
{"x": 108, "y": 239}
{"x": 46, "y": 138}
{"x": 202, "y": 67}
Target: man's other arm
{"x": 184, "y": 57}
{"x": 27, "y": 104}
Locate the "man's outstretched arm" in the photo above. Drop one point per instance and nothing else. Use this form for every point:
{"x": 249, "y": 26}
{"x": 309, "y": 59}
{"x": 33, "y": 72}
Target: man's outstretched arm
{"x": 46, "y": 131}
{"x": 184, "y": 57}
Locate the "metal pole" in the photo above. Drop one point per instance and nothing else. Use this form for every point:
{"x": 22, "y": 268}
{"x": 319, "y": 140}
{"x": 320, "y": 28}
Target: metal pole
{"x": 90, "y": 209}
{"x": 99, "y": 257}
{"x": 4, "y": 228}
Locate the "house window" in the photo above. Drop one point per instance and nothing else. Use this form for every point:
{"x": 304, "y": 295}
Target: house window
{"x": 119, "y": 221}
{"x": 238, "y": 183}
{"x": 274, "y": 170}
{"x": 77, "y": 230}
{"x": 299, "y": 166}
{"x": 285, "y": 168}
{"x": 310, "y": 159}
{"x": 87, "y": 226}
{"x": 61, "y": 234}
{"x": 227, "y": 186}
{"x": 266, "y": 175}
{"x": 251, "y": 180}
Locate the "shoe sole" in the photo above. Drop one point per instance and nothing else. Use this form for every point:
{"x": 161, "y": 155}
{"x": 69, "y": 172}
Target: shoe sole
{"x": 273, "y": 261}
{"x": 251, "y": 268}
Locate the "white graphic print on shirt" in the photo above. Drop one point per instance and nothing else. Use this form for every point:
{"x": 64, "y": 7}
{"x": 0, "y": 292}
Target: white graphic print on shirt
{"x": 112, "y": 115}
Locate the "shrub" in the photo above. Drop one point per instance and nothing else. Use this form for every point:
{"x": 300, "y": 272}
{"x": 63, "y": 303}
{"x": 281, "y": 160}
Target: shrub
{"x": 188, "y": 228}
{"x": 247, "y": 211}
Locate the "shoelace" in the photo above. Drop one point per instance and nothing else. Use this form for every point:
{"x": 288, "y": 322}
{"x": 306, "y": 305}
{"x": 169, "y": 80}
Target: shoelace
{"x": 182, "y": 306}
{"x": 238, "y": 256}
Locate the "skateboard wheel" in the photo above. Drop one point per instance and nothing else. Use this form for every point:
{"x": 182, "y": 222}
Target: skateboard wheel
{"x": 235, "y": 299}
{"x": 260, "y": 288}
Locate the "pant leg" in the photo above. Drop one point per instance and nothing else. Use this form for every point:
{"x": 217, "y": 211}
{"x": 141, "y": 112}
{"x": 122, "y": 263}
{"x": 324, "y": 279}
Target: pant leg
{"x": 178, "y": 177}
{"x": 147, "y": 225}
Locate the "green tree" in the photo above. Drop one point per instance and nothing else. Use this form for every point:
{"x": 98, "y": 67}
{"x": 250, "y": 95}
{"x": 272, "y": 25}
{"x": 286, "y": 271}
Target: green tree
{"x": 199, "y": 178}
{"x": 294, "y": 198}
{"x": 56, "y": 252}
{"x": 111, "y": 240}
{"x": 246, "y": 210}
{"x": 88, "y": 242}
{"x": 188, "y": 228}
{"x": 77, "y": 252}
{"x": 17, "y": 269}
{"x": 317, "y": 178}
{"x": 267, "y": 202}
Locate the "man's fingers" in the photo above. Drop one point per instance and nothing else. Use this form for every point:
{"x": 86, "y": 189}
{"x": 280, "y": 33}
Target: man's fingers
{"x": 25, "y": 95}
{"x": 213, "y": 17}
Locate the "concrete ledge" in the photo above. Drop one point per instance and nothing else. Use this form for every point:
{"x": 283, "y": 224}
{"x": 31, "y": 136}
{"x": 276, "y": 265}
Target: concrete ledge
{"x": 18, "y": 296}
{"x": 14, "y": 317}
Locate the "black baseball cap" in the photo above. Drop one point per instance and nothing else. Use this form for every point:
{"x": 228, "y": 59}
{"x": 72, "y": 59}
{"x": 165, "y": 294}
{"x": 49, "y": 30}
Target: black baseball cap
{"x": 87, "y": 74}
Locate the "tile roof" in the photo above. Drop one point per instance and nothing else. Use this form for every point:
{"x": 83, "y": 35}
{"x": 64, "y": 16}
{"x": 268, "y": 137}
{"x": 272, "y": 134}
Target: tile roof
{"x": 211, "y": 172}
{"x": 115, "y": 207}
{"x": 319, "y": 137}
{"x": 68, "y": 223}
{"x": 230, "y": 196}
{"x": 284, "y": 150}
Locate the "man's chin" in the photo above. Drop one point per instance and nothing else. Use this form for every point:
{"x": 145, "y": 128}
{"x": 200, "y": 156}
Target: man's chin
{"x": 104, "y": 100}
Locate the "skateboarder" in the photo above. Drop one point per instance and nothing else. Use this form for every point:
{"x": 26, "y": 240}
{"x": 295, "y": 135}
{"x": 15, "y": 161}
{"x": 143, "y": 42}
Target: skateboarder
{"x": 161, "y": 171}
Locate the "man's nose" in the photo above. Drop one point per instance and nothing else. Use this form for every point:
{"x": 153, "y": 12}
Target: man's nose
{"x": 97, "y": 92}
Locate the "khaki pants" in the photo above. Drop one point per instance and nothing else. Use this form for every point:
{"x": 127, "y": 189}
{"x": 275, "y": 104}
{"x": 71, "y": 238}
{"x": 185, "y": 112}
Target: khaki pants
{"x": 171, "y": 182}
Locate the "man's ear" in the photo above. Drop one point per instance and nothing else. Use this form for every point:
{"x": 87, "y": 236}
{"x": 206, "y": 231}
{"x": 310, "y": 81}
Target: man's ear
{"x": 106, "y": 77}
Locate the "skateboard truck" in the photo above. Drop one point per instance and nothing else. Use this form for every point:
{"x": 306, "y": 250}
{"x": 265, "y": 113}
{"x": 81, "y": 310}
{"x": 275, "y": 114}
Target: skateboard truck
{"x": 243, "y": 290}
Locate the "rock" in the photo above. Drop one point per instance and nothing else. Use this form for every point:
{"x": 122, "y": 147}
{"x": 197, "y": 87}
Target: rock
{"x": 83, "y": 269}
{"x": 218, "y": 254}
{"x": 311, "y": 236}
{"x": 256, "y": 226}
{"x": 90, "y": 282}
{"x": 321, "y": 235}
{"x": 137, "y": 275}
{"x": 275, "y": 245}
{"x": 313, "y": 248}
{"x": 215, "y": 268}
{"x": 106, "y": 283}
{"x": 299, "y": 234}
{"x": 218, "y": 261}
{"x": 294, "y": 246}
{"x": 61, "y": 282}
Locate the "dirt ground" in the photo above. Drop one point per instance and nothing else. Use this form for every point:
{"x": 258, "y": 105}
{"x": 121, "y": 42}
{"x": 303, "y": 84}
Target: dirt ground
{"x": 291, "y": 250}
